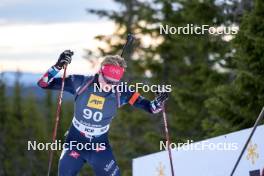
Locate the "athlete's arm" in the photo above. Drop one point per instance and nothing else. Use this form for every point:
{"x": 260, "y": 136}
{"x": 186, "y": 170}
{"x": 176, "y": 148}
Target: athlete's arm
{"x": 135, "y": 99}
{"x": 48, "y": 80}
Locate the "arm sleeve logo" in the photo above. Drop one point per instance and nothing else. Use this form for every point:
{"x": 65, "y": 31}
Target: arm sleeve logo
{"x": 96, "y": 102}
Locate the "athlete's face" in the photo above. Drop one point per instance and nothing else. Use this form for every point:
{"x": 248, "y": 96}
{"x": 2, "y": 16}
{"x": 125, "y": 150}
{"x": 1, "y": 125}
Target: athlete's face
{"x": 103, "y": 83}
{"x": 110, "y": 75}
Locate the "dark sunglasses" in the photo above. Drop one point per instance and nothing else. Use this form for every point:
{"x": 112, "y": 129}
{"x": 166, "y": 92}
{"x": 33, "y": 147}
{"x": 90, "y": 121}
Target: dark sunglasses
{"x": 109, "y": 81}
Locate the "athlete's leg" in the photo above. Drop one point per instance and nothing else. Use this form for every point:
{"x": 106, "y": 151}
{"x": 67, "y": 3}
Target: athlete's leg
{"x": 104, "y": 163}
{"x": 70, "y": 163}
{"x": 71, "y": 159}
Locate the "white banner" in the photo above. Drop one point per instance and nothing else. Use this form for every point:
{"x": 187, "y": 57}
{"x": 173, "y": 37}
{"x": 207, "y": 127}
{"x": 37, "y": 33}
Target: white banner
{"x": 208, "y": 162}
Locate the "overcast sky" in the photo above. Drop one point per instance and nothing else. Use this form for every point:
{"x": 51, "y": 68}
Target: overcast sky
{"x": 34, "y": 32}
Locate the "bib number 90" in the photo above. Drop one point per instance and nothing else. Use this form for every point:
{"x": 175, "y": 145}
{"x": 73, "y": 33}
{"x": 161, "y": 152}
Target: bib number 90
{"x": 96, "y": 116}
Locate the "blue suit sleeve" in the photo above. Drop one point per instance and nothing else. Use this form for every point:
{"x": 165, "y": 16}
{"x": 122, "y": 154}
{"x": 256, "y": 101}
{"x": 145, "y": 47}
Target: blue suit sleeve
{"x": 49, "y": 81}
{"x": 138, "y": 101}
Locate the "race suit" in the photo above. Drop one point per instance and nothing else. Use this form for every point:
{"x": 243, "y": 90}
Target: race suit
{"x": 93, "y": 113}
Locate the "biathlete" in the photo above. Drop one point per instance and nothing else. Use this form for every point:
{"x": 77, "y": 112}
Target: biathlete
{"x": 93, "y": 113}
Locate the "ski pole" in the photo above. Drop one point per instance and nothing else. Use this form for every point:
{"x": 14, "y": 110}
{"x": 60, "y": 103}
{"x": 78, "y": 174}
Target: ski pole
{"x": 260, "y": 117}
{"x": 54, "y": 134}
{"x": 167, "y": 137}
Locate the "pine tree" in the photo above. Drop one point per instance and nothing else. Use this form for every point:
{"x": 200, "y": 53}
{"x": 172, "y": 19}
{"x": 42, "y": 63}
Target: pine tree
{"x": 4, "y": 115}
{"x": 34, "y": 130}
{"x": 13, "y": 140}
{"x": 17, "y": 98}
{"x": 3, "y": 102}
{"x": 189, "y": 64}
{"x": 236, "y": 105}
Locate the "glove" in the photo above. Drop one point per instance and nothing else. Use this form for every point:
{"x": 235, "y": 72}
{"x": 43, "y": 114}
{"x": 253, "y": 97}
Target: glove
{"x": 157, "y": 103}
{"x": 161, "y": 97}
{"x": 64, "y": 59}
